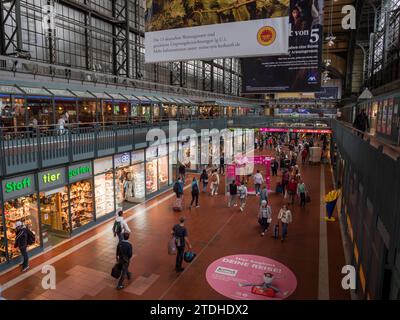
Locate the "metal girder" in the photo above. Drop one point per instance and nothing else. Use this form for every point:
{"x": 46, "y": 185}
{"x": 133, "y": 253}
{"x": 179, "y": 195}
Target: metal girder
{"x": 351, "y": 49}
{"x": 10, "y": 30}
{"x": 121, "y": 57}
{"x": 177, "y": 74}
{"x": 88, "y": 38}
{"x": 208, "y": 76}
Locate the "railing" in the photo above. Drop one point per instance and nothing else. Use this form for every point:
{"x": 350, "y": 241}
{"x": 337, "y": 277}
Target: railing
{"x": 23, "y": 149}
{"x": 343, "y": 129}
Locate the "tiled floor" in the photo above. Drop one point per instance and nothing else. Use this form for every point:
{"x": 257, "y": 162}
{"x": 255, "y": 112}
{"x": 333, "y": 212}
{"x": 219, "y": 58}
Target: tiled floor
{"x": 214, "y": 230}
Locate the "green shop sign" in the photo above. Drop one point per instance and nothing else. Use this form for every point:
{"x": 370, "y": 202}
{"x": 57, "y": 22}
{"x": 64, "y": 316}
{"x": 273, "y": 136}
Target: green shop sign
{"x": 80, "y": 171}
{"x": 18, "y": 187}
{"x": 52, "y": 179}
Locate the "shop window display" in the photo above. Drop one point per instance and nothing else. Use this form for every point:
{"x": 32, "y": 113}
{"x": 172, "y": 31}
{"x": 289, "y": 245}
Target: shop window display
{"x": 22, "y": 209}
{"x": 104, "y": 193}
{"x": 81, "y": 199}
{"x": 54, "y": 215}
{"x": 163, "y": 172}
{"x": 129, "y": 185}
{"x": 151, "y": 176}
{"x": 3, "y": 256}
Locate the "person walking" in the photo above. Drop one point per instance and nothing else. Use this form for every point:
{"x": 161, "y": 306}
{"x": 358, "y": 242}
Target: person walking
{"x": 182, "y": 172}
{"x": 222, "y": 164}
{"x": 264, "y": 217}
{"x": 195, "y": 193}
{"x": 285, "y": 216}
{"x": 124, "y": 256}
{"x": 232, "y": 193}
{"x": 21, "y": 242}
{"x": 292, "y": 190}
{"x": 178, "y": 187}
{"x": 274, "y": 167}
{"x": 258, "y": 181}
{"x": 242, "y": 191}
{"x": 285, "y": 180}
{"x": 214, "y": 183}
{"x": 204, "y": 179}
{"x": 120, "y": 226}
{"x": 264, "y": 194}
{"x": 302, "y": 191}
{"x": 179, "y": 232}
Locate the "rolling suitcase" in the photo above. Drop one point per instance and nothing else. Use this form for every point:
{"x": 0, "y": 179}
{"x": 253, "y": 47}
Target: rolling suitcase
{"x": 178, "y": 205}
{"x": 276, "y": 231}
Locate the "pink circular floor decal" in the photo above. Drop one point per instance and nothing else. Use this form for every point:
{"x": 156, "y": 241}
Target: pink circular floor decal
{"x": 248, "y": 277}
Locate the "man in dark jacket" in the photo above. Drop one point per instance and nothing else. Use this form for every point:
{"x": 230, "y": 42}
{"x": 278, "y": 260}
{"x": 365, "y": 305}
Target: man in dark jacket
{"x": 21, "y": 242}
{"x": 180, "y": 234}
{"x": 232, "y": 193}
{"x": 361, "y": 122}
{"x": 182, "y": 172}
{"x": 124, "y": 255}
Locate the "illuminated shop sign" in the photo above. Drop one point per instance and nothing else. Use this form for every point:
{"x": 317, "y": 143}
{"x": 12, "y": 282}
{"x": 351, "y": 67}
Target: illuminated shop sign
{"x": 18, "y": 187}
{"x": 80, "y": 171}
{"x": 52, "y": 179}
{"x": 318, "y": 131}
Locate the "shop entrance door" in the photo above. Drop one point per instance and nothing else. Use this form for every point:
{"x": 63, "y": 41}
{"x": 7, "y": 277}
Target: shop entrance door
{"x": 55, "y": 217}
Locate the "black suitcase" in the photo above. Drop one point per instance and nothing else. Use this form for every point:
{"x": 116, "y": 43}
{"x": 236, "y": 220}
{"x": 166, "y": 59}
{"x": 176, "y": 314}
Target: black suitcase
{"x": 276, "y": 231}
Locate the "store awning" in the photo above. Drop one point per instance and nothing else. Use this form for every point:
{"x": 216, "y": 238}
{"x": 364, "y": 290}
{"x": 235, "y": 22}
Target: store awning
{"x": 35, "y": 91}
{"x": 10, "y": 90}
{"x": 59, "y": 93}
{"x": 100, "y": 95}
{"x": 116, "y": 96}
{"x": 188, "y": 102}
{"x": 162, "y": 99}
{"x": 83, "y": 94}
{"x": 131, "y": 97}
{"x": 154, "y": 99}
{"x": 143, "y": 99}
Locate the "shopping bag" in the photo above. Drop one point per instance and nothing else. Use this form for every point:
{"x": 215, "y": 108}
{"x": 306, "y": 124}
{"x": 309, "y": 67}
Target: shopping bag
{"x": 116, "y": 271}
{"x": 178, "y": 204}
{"x": 172, "y": 246}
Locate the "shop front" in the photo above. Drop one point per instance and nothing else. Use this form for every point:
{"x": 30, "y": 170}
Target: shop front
{"x": 156, "y": 169}
{"x": 189, "y": 154}
{"x": 20, "y": 203}
{"x": 104, "y": 187}
{"x": 81, "y": 196}
{"x": 54, "y": 206}
{"x": 129, "y": 179}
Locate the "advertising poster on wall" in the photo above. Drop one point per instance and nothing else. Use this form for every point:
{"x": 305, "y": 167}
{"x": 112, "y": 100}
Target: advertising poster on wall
{"x": 300, "y": 70}
{"x": 205, "y": 29}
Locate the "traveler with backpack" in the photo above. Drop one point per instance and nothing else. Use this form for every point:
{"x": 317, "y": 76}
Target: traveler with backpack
{"x": 179, "y": 232}
{"x": 264, "y": 217}
{"x": 258, "y": 181}
{"x": 285, "y": 216}
{"x": 120, "y": 226}
{"x": 24, "y": 238}
{"x": 232, "y": 193}
{"x": 178, "y": 187}
{"x": 242, "y": 191}
{"x": 204, "y": 179}
{"x": 195, "y": 193}
{"x": 214, "y": 183}
{"x": 124, "y": 255}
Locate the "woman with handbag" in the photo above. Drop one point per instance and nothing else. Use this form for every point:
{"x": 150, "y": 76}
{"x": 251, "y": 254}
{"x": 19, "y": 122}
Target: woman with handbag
{"x": 264, "y": 217}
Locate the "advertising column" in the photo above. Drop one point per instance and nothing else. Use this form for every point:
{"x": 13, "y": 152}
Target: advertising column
{"x": 20, "y": 205}
{"x": 54, "y": 206}
{"x": 81, "y": 194}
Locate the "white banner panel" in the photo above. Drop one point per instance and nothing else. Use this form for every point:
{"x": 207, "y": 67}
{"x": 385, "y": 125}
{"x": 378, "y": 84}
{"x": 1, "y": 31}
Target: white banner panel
{"x": 262, "y": 37}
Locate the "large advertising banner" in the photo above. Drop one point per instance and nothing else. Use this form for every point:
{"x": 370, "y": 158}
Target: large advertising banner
{"x": 205, "y": 29}
{"x": 300, "y": 70}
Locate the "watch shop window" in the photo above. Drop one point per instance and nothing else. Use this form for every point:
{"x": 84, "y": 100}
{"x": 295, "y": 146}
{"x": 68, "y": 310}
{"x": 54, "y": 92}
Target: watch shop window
{"x": 104, "y": 186}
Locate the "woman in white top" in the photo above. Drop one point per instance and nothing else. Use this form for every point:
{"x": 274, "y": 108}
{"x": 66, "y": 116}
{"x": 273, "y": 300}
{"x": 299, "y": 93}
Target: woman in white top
{"x": 242, "y": 192}
{"x": 285, "y": 216}
{"x": 214, "y": 183}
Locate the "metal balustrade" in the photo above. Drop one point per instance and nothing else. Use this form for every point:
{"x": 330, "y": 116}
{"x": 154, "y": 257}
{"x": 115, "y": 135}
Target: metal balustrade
{"x": 25, "y": 149}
